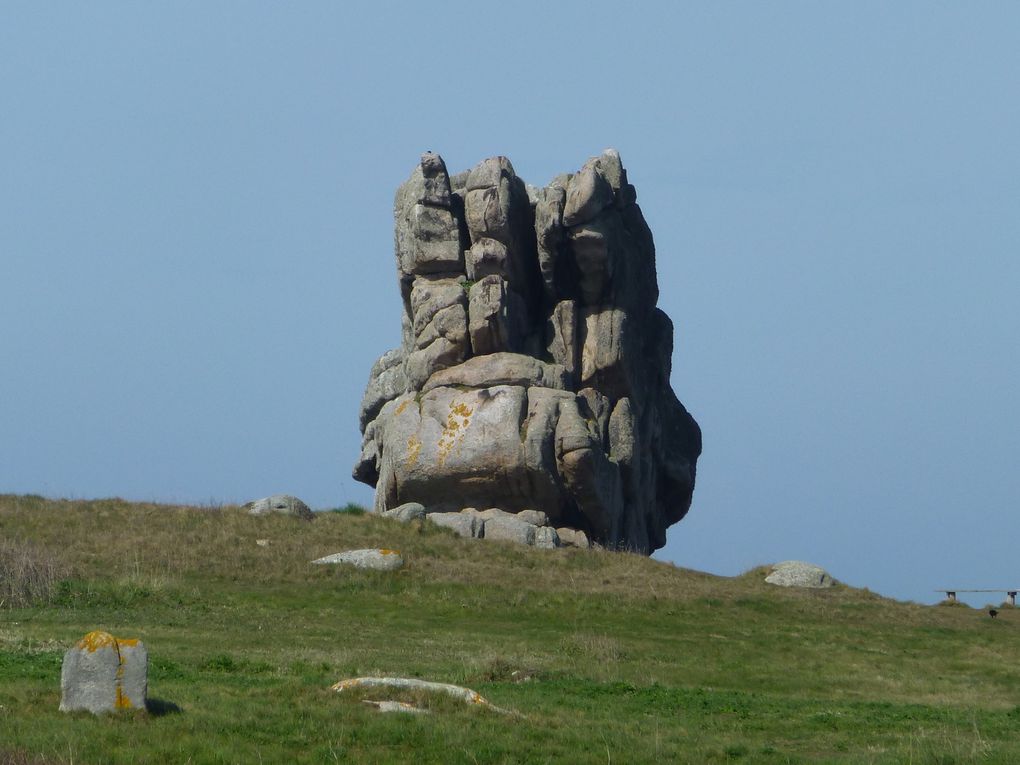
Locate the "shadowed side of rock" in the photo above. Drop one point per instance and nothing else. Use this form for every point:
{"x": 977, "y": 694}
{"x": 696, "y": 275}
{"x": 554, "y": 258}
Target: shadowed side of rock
{"x": 534, "y": 370}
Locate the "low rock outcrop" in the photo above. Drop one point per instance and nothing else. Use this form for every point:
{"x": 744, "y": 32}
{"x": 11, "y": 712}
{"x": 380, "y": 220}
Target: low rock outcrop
{"x": 534, "y": 370}
{"x": 527, "y": 527}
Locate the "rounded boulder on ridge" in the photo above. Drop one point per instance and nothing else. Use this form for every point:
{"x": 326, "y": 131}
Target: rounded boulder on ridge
{"x": 795, "y": 573}
{"x": 284, "y": 504}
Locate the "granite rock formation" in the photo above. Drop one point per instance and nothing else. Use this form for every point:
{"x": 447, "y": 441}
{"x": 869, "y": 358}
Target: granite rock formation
{"x": 534, "y": 368}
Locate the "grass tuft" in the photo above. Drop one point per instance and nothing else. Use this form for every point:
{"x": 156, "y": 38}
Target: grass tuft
{"x": 349, "y": 509}
{"x": 20, "y": 757}
{"x": 29, "y": 574}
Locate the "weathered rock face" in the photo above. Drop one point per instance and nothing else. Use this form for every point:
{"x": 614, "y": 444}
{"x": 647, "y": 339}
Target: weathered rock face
{"x": 534, "y": 368}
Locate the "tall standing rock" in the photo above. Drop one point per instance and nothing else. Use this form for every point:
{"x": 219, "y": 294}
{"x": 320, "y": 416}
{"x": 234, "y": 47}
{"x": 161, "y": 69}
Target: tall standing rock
{"x": 102, "y": 673}
{"x": 534, "y": 372}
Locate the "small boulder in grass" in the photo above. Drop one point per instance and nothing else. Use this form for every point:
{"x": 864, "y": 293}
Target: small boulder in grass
{"x": 464, "y": 524}
{"x": 534, "y": 517}
{"x": 796, "y": 573}
{"x": 284, "y": 504}
{"x": 406, "y": 513}
{"x": 104, "y": 674}
{"x": 573, "y": 538}
{"x": 546, "y": 538}
{"x": 379, "y": 559}
{"x": 508, "y": 527}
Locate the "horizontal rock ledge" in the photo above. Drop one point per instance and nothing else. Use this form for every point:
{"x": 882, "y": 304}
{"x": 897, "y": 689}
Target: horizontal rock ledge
{"x": 500, "y": 369}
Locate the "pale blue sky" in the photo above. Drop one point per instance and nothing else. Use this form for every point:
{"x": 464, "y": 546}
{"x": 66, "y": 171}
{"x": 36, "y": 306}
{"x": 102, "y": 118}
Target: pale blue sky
{"x": 196, "y": 266}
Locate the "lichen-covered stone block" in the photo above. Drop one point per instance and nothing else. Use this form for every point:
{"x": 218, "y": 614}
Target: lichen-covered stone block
{"x": 102, "y": 673}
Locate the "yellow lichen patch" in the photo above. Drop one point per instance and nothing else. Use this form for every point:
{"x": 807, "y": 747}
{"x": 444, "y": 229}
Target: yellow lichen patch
{"x": 453, "y": 430}
{"x": 384, "y": 551}
{"x": 130, "y": 642}
{"x": 413, "y": 450}
{"x": 122, "y": 701}
{"x": 343, "y": 685}
{"x": 97, "y": 639}
{"x": 400, "y": 409}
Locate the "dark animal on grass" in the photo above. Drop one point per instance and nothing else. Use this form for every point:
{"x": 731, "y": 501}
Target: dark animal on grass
{"x": 992, "y": 612}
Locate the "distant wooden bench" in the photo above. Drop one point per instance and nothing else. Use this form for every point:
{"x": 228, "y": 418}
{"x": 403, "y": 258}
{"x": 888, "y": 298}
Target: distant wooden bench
{"x": 1010, "y": 594}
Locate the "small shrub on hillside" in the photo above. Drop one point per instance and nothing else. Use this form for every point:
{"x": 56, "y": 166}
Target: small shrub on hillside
{"x": 227, "y": 664}
{"x": 126, "y": 592}
{"x": 349, "y": 509}
{"x": 499, "y": 669}
{"x": 952, "y": 603}
{"x": 601, "y": 648}
{"x": 28, "y": 574}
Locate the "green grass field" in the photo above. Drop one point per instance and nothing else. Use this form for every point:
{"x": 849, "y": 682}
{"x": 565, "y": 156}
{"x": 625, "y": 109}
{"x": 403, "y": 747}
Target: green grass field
{"x": 630, "y": 660}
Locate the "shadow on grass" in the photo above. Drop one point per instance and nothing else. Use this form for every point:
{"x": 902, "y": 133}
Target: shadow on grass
{"x": 161, "y": 707}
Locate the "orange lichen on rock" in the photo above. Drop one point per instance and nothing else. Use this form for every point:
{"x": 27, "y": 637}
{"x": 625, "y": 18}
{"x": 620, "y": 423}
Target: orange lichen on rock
{"x": 413, "y": 450}
{"x": 121, "y": 701}
{"x": 97, "y": 639}
{"x": 453, "y": 431}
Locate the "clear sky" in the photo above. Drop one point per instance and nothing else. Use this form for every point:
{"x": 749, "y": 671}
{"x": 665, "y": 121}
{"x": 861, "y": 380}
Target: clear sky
{"x": 196, "y": 266}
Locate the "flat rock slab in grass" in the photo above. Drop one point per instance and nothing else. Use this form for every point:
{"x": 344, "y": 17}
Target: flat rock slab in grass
{"x": 284, "y": 504}
{"x": 397, "y": 706}
{"x": 795, "y": 573}
{"x": 104, "y": 674}
{"x": 374, "y": 559}
{"x": 409, "y": 683}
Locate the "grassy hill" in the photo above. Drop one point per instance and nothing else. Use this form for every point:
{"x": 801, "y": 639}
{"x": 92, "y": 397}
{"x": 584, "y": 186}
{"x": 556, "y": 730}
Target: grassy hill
{"x": 630, "y": 660}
